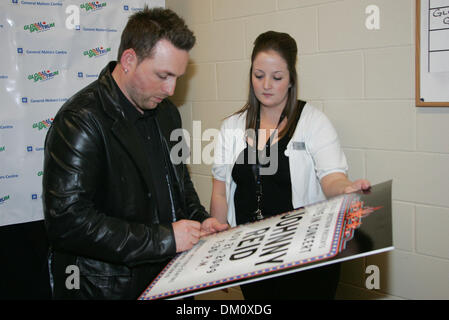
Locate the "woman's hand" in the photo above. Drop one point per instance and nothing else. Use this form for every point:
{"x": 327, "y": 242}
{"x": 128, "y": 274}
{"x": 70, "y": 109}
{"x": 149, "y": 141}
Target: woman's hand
{"x": 338, "y": 183}
{"x": 358, "y": 185}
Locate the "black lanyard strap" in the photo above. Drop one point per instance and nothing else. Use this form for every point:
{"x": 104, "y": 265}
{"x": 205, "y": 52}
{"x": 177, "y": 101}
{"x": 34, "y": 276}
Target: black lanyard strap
{"x": 257, "y": 215}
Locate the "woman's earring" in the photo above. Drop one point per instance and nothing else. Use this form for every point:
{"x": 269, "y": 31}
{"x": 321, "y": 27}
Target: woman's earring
{"x": 126, "y": 70}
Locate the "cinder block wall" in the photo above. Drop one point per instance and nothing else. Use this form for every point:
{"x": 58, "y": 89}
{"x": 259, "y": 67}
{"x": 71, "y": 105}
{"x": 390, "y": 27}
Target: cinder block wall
{"x": 364, "y": 81}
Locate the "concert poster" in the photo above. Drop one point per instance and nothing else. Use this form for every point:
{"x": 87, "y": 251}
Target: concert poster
{"x": 342, "y": 228}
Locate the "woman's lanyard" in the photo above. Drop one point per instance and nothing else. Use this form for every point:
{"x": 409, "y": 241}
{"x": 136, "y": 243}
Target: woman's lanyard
{"x": 257, "y": 215}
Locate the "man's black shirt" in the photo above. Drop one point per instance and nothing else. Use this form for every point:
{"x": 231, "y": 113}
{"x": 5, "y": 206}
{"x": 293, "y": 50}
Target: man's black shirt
{"x": 147, "y": 127}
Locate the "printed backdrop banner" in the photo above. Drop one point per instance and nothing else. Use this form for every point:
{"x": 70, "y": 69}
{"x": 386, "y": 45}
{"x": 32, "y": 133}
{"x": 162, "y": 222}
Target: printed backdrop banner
{"x": 51, "y": 49}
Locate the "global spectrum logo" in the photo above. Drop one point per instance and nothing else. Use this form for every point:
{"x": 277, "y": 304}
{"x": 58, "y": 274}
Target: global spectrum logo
{"x": 96, "y": 52}
{"x": 4, "y": 199}
{"x": 39, "y": 26}
{"x": 92, "y": 6}
{"x": 43, "y": 75}
{"x": 44, "y": 124}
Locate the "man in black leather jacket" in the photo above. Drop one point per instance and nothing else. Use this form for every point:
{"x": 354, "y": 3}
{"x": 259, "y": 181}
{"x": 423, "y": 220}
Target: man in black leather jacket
{"x": 116, "y": 207}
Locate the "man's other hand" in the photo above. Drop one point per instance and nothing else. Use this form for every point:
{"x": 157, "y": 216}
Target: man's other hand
{"x": 212, "y": 225}
{"x": 187, "y": 234}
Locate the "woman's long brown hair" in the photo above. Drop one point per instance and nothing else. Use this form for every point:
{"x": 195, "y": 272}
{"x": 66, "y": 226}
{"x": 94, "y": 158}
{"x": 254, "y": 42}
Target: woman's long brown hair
{"x": 285, "y": 46}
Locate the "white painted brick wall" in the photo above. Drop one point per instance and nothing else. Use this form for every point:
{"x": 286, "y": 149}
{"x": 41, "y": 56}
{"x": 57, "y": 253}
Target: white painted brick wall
{"x": 364, "y": 81}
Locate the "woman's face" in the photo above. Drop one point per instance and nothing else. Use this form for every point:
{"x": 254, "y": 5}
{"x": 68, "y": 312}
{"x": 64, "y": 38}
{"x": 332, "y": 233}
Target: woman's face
{"x": 271, "y": 79}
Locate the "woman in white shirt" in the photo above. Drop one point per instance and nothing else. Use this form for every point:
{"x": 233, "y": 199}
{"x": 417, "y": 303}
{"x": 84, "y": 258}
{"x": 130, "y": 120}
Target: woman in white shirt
{"x": 299, "y": 161}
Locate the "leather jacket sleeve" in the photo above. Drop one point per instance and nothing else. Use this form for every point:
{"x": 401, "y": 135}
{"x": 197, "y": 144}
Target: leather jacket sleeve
{"x": 192, "y": 209}
{"x": 73, "y": 161}
{"x": 195, "y": 210}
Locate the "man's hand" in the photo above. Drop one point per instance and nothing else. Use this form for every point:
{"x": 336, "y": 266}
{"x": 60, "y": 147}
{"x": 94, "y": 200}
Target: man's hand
{"x": 212, "y": 225}
{"x": 187, "y": 234}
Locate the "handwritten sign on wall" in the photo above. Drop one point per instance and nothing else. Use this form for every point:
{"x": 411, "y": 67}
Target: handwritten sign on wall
{"x": 432, "y": 53}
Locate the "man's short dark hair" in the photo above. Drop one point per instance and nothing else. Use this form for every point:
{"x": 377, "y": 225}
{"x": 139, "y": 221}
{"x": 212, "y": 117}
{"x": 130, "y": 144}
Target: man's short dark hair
{"x": 145, "y": 28}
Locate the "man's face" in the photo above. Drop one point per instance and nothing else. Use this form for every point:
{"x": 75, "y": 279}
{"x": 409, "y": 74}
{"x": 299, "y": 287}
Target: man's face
{"x": 154, "y": 79}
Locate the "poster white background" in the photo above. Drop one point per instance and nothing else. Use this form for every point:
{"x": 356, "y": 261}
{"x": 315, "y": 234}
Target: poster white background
{"x": 277, "y": 243}
{"x": 42, "y": 63}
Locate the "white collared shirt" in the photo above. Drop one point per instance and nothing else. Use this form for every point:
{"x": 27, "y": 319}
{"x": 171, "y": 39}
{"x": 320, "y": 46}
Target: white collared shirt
{"x": 314, "y": 151}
